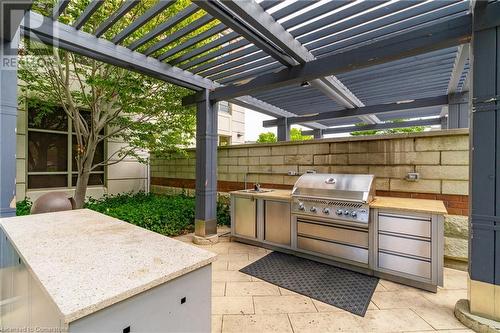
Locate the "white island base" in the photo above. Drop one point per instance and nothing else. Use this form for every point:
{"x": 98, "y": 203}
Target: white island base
{"x": 81, "y": 271}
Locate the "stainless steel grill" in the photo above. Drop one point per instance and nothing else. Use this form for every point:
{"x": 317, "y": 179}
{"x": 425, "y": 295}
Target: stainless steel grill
{"x": 331, "y": 212}
{"x": 334, "y": 197}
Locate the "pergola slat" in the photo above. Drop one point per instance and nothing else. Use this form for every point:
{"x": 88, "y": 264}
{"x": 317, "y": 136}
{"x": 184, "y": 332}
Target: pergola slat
{"x": 193, "y": 41}
{"x": 67, "y": 37}
{"x": 143, "y": 19}
{"x": 87, "y": 13}
{"x": 445, "y": 34}
{"x": 59, "y": 8}
{"x": 179, "y": 34}
{"x": 208, "y": 57}
{"x": 123, "y": 10}
{"x": 366, "y": 110}
{"x": 205, "y": 48}
{"x": 232, "y": 46}
{"x": 171, "y": 22}
{"x": 359, "y": 36}
{"x": 235, "y": 55}
{"x": 371, "y": 127}
{"x": 216, "y": 9}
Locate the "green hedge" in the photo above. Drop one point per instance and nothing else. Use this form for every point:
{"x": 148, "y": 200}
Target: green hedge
{"x": 170, "y": 215}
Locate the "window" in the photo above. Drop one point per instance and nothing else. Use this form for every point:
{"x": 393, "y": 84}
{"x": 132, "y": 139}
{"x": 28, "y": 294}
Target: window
{"x": 51, "y": 151}
{"x": 224, "y": 140}
{"x": 225, "y": 107}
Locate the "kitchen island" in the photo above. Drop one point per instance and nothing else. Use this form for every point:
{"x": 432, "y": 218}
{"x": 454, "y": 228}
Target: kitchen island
{"x": 404, "y": 239}
{"x": 82, "y": 271}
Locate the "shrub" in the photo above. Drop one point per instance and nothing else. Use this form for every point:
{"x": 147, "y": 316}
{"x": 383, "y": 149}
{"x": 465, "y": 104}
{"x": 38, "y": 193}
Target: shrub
{"x": 23, "y": 207}
{"x": 170, "y": 215}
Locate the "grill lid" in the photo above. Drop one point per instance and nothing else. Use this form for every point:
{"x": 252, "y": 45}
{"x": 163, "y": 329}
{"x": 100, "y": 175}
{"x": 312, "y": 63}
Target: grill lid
{"x": 352, "y": 187}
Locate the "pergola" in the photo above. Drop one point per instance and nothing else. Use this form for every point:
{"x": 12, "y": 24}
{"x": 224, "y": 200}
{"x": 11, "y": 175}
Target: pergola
{"x": 318, "y": 63}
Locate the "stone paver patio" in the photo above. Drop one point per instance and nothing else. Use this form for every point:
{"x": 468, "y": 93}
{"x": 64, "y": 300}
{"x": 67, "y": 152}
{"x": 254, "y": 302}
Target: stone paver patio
{"x": 241, "y": 303}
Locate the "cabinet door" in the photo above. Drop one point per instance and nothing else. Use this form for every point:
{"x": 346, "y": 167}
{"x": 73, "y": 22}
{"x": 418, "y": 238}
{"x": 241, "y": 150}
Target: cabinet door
{"x": 277, "y": 222}
{"x": 245, "y": 222}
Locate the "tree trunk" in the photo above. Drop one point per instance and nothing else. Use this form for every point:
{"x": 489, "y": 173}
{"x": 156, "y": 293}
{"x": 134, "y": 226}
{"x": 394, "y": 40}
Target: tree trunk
{"x": 83, "y": 176}
{"x": 81, "y": 188}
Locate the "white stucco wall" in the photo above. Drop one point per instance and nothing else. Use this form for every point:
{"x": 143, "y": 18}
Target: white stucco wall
{"x": 125, "y": 176}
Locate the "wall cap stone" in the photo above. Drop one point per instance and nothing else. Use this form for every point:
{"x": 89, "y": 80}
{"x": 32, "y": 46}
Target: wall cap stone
{"x": 437, "y": 133}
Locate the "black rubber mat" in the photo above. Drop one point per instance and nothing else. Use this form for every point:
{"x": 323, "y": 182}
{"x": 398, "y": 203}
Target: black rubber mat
{"x": 348, "y": 290}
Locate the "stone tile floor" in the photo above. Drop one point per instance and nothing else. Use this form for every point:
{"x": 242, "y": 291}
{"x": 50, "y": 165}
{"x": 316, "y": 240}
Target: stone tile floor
{"x": 241, "y": 303}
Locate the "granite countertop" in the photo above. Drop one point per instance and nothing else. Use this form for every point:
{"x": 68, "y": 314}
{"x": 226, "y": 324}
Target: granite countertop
{"x": 274, "y": 194}
{"x": 408, "y": 204}
{"x": 87, "y": 261}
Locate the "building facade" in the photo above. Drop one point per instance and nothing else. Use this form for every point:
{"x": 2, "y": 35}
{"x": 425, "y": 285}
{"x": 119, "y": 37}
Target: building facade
{"x": 45, "y": 150}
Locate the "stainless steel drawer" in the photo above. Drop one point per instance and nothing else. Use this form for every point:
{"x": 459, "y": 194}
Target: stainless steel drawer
{"x": 333, "y": 249}
{"x": 401, "y": 264}
{"x": 405, "y": 245}
{"x": 405, "y": 225}
{"x": 344, "y": 235}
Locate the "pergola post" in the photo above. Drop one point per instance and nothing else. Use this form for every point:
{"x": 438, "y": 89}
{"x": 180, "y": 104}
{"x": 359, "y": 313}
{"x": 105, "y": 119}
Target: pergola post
{"x": 458, "y": 111}
{"x": 206, "y": 172}
{"x": 283, "y": 129}
{"x": 484, "y": 239}
{"x": 8, "y": 118}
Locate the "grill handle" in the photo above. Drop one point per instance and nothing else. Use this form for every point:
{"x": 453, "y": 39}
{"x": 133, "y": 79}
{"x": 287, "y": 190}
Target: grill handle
{"x": 327, "y": 198}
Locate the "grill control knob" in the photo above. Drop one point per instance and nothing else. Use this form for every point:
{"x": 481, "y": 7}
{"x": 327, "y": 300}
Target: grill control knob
{"x": 354, "y": 214}
{"x": 326, "y": 211}
{"x": 346, "y": 212}
{"x": 301, "y": 206}
{"x": 313, "y": 209}
{"x": 339, "y": 211}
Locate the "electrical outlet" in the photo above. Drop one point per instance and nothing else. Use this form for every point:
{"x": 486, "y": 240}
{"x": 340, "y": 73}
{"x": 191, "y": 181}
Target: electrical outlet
{"x": 412, "y": 176}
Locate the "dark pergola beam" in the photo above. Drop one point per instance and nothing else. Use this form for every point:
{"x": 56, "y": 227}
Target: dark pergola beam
{"x": 110, "y": 21}
{"x": 365, "y": 110}
{"x": 486, "y": 19}
{"x": 418, "y": 41}
{"x": 254, "y": 15}
{"x": 371, "y": 127}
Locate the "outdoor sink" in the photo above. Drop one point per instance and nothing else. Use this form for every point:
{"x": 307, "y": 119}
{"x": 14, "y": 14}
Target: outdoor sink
{"x": 255, "y": 191}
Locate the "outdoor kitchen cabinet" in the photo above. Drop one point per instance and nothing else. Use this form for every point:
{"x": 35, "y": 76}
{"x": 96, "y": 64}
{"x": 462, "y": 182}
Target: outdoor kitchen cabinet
{"x": 263, "y": 217}
{"x": 408, "y": 246}
{"x": 277, "y": 225}
{"x": 244, "y": 216}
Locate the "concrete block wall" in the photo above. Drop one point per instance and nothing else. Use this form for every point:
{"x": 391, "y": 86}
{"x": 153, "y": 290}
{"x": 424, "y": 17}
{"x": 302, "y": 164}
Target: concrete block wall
{"x": 440, "y": 157}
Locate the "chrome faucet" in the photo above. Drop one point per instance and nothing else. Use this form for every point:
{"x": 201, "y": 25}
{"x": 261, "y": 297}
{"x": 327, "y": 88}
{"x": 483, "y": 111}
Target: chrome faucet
{"x": 256, "y": 187}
